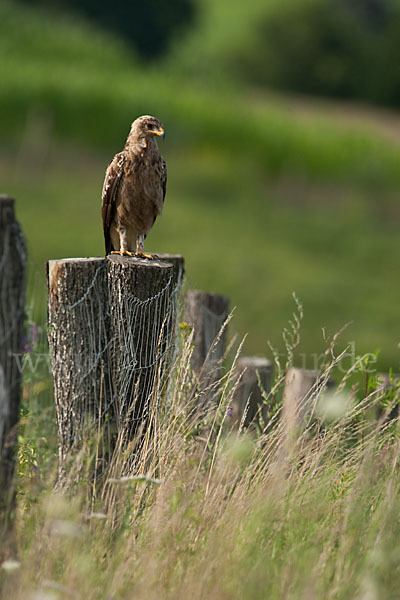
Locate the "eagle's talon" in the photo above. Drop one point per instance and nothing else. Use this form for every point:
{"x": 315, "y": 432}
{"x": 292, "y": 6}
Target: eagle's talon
{"x": 123, "y": 252}
{"x": 141, "y": 254}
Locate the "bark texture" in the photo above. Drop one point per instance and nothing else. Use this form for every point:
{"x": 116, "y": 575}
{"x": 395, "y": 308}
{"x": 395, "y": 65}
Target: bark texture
{"x": 78, "y": 298}
{"x": 177, "y": 261}
{"x": 299, "y": 395}
{"x": 111, "y": 322}
{"x": 13, "y": 259}
{"x": 249, "y": 407}
{"x": 140, "y": 293}
{"x": 206, "y": 313}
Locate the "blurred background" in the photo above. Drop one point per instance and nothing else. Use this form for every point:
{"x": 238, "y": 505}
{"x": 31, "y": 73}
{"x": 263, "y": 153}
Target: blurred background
{"x": 282, "y": 145}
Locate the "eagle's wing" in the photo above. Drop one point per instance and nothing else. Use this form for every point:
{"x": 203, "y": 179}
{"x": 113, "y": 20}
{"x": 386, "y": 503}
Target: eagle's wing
{"x": 163, "y": 177}
{"x": 111, "y": 185}
{"x": 161, "y": 171}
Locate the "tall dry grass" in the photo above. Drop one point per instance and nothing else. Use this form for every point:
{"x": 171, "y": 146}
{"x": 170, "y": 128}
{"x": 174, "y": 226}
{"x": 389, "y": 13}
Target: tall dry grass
{"x": 208, "y": 511}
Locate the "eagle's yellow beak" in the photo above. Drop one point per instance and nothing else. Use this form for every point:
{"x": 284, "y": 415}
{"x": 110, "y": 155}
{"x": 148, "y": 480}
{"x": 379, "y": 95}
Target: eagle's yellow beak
{"x": 160, "y": 132}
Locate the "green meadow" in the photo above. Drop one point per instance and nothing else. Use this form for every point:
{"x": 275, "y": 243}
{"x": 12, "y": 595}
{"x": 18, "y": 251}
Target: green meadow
{"x": 264, "y": 199}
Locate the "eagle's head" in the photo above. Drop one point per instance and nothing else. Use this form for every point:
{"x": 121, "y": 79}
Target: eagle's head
{"x": 146, "y": 127}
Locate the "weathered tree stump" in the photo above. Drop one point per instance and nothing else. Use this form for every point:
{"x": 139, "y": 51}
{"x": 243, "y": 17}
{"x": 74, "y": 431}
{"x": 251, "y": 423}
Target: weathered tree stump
{"x": 142, "y": 312}
{"x": 13, "y": 261}
{"x": 248, "y": 403}
{"x": 78, "y": 333}
{"x": 206, "y": 313}
{"x": 111, "y": 324}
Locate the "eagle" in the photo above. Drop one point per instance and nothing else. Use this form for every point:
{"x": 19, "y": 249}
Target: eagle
{"x": 134, "y": 190}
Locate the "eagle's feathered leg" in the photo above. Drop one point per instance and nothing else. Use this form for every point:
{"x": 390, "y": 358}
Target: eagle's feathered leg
{"x": 140, "y": 243}
{"x": 140, "y": 247}
{"x": 123, "y": 242}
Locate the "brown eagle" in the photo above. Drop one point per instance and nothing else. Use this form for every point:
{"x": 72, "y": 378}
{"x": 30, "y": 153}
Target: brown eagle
{"x": 134, "y": 189}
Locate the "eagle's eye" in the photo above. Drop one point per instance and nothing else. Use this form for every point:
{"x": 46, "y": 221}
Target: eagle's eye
{"x": 150, "y": 126}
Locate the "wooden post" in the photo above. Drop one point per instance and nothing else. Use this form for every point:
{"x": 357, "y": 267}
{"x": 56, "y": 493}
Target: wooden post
{"x": 296, "y": 401}
{"x": 177, "y": 261}
{"x": 142, "y": 310}
{"x": 13, "y": 261}
{"x": 302, "y": 387}
{"x": 110, "y": 331}
{"x": 78, "y": 333}
{"x": 206, "y": 313}
{"x": 386, "y": 382}
{"x": 248, "y": 403}
{"x": 388, "y": 385}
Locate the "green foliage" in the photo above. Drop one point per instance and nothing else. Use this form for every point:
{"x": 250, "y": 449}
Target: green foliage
{"x": 326, "y": 47}
{"x": 88, "y": 89}
{"x": 147, "y": 26}
{"x": 330, "y": 48}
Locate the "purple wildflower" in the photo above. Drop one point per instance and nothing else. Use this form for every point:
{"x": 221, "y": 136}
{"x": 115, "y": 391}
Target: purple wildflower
{"x": 29, "y": 341}
{"x": 26, "y": 345}
{"x": 34, "y": 331}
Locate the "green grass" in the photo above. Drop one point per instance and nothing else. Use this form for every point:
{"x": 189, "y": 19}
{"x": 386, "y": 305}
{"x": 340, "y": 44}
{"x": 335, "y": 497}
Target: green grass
{"x": 261, "y": 201}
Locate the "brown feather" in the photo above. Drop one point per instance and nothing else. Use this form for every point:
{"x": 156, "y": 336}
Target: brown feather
{"x": 134, "y": 187}
{"x": 111, "y": 186}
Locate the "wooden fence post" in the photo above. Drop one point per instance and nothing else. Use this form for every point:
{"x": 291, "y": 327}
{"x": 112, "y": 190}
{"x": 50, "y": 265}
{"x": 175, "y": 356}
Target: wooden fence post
{"x": 388, "y": 384}
{"x": 111, "y": 325}
{"x": 302, "y": 388}
{"x": 177, "y": 261}
{"x": 296, "y": 395}
{"x": 248, "y": 403}
{"x": 13, "y": 261}
{"x": 143, "y": 305}
{"x": 77, "y": 302}
{"x": 206, "y": 313}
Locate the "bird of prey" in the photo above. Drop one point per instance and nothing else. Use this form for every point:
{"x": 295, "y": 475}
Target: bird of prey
{"x": 134, "y": 189}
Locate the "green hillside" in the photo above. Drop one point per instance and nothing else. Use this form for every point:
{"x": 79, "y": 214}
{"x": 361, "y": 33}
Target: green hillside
{"x": 261, "y": 200}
